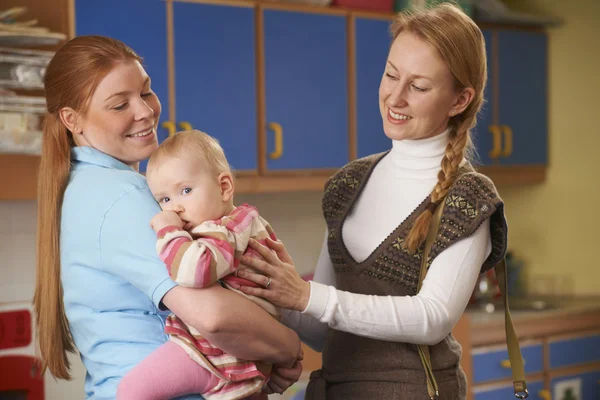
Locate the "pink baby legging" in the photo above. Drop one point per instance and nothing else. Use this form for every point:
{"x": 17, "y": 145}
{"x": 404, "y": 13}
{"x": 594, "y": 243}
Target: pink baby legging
{"x": 167, "y": 373}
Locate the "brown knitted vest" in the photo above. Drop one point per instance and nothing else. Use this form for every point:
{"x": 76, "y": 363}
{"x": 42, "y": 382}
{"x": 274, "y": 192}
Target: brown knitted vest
{"x": 355, "y": 367}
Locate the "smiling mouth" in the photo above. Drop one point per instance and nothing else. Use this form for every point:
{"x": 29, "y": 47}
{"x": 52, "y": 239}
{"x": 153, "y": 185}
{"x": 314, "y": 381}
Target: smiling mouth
{"x": 398, "y": 117}
{"x": 142, "y": 133}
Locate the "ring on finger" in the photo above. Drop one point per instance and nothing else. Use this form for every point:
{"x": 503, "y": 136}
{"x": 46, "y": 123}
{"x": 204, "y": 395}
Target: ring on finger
{"x": 268, "y": 283}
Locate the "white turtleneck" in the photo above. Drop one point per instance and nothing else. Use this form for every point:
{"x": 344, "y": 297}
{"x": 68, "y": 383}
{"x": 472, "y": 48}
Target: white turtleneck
{"x": 397, "y": 185}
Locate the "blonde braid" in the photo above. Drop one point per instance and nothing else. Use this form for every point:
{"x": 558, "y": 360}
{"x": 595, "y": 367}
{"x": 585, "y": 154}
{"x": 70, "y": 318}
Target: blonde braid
{"x": 454, "y": 154}
{"x": 449, "y": 30}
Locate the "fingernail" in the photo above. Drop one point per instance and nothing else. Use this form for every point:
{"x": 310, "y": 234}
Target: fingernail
{"x": 241, "y": 273}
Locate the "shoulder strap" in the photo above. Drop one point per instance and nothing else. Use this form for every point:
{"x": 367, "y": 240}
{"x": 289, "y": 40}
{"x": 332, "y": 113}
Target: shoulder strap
{"x": 514, "y": 351}
{"x": 432, "y": 387}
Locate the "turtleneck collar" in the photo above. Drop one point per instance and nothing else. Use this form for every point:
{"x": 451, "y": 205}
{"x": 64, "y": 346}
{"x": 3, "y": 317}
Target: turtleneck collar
{"x": 418, "y": 158}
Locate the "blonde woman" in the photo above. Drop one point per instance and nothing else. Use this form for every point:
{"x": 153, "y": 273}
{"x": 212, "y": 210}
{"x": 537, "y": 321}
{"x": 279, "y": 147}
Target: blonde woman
{"x": 101, "y": 289}
{"x": 363, "y": 309}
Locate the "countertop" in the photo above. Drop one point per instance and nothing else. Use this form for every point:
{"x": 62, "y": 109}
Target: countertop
{"x": 535, "y": 317}
{"x": 535, "y": 307}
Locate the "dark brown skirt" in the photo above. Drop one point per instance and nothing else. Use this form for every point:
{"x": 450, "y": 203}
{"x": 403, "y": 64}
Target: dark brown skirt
{"x": 452, "y": 386}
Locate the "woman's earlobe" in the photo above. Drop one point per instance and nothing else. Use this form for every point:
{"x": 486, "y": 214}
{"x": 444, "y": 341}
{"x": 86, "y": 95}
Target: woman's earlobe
{"x": 69, "y": 118}
{"x": 464, "y": 99}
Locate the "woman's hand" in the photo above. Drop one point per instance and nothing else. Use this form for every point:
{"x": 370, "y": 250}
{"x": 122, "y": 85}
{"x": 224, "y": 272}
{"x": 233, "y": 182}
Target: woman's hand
{"x": 282, "y": 378}
{"x": 280, "y": 282}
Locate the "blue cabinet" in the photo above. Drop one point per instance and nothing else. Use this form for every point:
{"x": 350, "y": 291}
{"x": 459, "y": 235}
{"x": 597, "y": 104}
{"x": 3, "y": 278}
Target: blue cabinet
{"x": 490, "y": 365}
{"x": 587, "y": 384}
{"x": 573, "y": 351}
{"x": 142, "y": 25}
{"x": 372, "y": 46}
{"x": 513, "y": 126}
{"x": 522, "y": 82}
{"x": 305, "y": 90}
{"x": 215, "y": 76}
{"x": 505, "y": 392}
{"x": 482, "y": 134}
{"x": 276, "y": 86}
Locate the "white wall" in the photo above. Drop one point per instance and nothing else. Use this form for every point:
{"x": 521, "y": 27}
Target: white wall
{"x": 296, "y": 219}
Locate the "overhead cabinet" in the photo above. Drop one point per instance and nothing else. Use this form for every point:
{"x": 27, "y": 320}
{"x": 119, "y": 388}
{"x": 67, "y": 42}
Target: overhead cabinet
{"x": 513, "y": 126}
{"x": 292, "y": 91}
{"x": 215, "y": 76}
{"x": 213, "y": 68}
{"x": 306, "y": 89}
{"x": 372, "y": 44}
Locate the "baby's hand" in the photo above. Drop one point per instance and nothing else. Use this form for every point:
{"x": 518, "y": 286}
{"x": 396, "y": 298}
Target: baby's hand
{"x": 164, "y": 219}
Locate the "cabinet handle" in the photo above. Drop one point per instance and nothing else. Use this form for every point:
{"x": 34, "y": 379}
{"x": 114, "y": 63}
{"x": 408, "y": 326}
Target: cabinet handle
{"x": 278, "y": 130}
{"x": 508, "y": 142}
{"x": 170, "y": 126}
{"x": 497, "y": 140}
{"x": 506, "y": 363}
{"x": 544, "y": 394}
{"x": 186, "y": 126}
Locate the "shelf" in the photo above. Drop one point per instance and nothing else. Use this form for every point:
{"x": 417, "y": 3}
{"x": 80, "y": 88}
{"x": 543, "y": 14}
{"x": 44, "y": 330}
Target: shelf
{"x": 9, "y": 84}
{"x": 30, "y": 39}
{"x": 19, "y": 178}
{"x": 515, "y": 174}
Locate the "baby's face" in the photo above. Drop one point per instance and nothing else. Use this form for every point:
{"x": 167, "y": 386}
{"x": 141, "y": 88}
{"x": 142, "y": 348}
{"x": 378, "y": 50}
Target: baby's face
{"x": 185, "y": 185}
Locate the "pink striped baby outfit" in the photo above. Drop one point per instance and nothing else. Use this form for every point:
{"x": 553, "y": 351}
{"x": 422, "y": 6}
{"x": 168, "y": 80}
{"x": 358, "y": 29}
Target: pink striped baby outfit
{"x": 212, "y": 252}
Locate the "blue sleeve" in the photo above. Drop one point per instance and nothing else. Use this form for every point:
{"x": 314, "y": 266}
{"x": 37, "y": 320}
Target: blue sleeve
{"x": 128, "y": 244}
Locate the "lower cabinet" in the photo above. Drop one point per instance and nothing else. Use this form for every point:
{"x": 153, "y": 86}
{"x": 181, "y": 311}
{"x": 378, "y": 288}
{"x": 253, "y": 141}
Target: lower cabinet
{"x": 536, "y": 391}
{"x": 492, "y": 363}
{"x": 565, "y": 367}
{"x": 583, "y": 386}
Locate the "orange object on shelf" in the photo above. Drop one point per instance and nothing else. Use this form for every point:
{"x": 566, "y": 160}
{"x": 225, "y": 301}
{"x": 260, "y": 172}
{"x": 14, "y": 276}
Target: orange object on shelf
{"x": 367, "y": 5}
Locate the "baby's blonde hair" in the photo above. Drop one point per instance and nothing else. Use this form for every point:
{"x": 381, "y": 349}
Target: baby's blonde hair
{"x": 196, "y": 144}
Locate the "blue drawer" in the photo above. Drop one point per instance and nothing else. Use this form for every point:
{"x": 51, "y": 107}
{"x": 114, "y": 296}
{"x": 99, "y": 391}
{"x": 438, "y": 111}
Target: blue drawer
{"x": 571, "y": 351}
{"x": 488, "y": 365}
{"x": 507, "y": 392}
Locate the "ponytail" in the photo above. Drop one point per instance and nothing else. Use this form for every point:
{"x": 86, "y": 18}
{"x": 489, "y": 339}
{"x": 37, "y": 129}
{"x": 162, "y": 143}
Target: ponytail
{"x": 70, "y": 80}
{"x": 53, "y": 330}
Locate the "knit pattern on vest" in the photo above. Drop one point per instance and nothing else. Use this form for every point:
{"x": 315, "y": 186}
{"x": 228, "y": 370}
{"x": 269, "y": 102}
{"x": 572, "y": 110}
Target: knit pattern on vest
{"x": 391, "y": 270}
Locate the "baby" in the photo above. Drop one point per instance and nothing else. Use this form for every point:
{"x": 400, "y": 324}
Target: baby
{"x": 201, "y": 237}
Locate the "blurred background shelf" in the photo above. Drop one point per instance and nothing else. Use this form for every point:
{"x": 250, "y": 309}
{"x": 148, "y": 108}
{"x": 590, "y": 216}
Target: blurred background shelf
{"x": 30, "y": 39}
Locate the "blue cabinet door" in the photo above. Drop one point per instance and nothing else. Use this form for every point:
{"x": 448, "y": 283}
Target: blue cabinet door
{"x": 215, "y": 75}
{"x": 567, "y": 387}
{"x": 574, "y": 350}
{"x": 373, "y": 42}
{"x": 488, "y": 364}
{"x": 481, "y": 135}
{"x": 522, "y": 82}
{"x": 141, "y": 24}
{"x": 306, "y": 88}
{"x": 507, "y": 392}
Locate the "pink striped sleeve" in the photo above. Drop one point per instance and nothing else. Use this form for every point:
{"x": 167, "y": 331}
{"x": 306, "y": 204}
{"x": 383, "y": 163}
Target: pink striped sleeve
{"x": 171, "y": 243}
{"x": 218, "y": 247}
